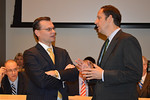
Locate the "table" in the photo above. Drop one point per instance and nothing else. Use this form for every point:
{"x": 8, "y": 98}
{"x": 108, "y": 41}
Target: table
{"x": 23, "y": 97}
{"x": 12, "y": 97}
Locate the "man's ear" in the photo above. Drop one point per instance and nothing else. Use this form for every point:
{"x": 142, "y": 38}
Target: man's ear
{"x": 110, "y": 18}
{"x": 36, "y": 32}
{"x": 145, "y": 66}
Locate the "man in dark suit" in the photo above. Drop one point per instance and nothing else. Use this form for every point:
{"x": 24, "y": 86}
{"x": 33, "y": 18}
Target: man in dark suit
{"x": 119, "y": 66}
{"x": 143, "y": 86}
{"x": 44, "y": 67}
{"x": 9, "y": 75}
{"x": 75, "y": 87}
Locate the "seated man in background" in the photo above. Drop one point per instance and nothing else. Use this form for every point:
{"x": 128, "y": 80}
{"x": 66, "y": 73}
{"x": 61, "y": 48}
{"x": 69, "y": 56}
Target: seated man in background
{"x": 12, "y": 81}
{"x": 143, "y": 87}
{"x": 19, "y": 60}
{"x": 81, "y": 86}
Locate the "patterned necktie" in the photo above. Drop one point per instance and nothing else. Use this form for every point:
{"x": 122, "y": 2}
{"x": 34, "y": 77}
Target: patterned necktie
{"x": 13, "y": 89}
{"x": 141, "y": 83}
{"x": 51, "y": 54}
{"x": 83, "y": 89}
{"x": 103, "y": 51}
{"x": 53, "y": 59}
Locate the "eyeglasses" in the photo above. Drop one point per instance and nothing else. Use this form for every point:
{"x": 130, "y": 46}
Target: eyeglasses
{"x": 12, "y": 70}
{"x": 48, "y": 29}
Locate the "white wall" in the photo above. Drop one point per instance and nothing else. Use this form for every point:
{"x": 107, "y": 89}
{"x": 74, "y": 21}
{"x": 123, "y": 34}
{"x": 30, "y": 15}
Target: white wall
{"x": 79, "y": 42}
{"x": 84, "y": 10}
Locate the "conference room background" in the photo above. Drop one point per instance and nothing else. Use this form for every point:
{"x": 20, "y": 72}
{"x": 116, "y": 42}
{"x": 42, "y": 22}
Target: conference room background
{"x": 79, "y": 42}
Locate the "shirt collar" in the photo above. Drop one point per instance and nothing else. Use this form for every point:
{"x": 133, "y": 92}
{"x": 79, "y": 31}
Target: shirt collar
{"x": 45, "y": 46}
{"x": 15, "y": 82}
{"x": 143, "y": 77}
{"x": 113, "y": 34}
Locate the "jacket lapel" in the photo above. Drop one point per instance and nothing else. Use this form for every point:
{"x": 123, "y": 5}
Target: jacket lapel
{"x": 45, "y": 55}
{"x": 146, "y": 83}
{"x": 57, "y": 58}
{"x": 20, "y": 82}
{"x": 110, "y": 48}
{"x": 98, "y": 63}
{"x": 6, "y": 85}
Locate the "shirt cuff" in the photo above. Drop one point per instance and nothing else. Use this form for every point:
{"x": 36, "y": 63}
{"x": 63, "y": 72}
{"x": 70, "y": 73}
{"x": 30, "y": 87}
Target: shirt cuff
{"x": 57, "y": 75}
{"x": 103, "y": 75}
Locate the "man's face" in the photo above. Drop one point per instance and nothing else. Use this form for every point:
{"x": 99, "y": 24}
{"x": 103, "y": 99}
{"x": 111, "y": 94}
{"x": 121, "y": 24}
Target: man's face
{"x": 46, "y": 34}
{"x": 12, "y": 70}
{"x": 101, "y": 22}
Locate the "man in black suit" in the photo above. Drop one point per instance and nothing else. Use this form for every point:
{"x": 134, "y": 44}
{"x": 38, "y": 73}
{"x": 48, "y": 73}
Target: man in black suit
{"x": 119, "y": 66}
{"x": 143, "y": 86}
{"x": 9, "y": 75}
{"x": 45, "y": 68}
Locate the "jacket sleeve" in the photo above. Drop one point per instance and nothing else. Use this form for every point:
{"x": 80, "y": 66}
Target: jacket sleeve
{"x": 69, "y": 74}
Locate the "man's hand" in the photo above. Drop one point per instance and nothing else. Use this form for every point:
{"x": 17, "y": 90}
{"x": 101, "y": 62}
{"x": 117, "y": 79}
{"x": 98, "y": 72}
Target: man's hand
{"x": 83, "y": 64}
{"x": 2, "y": 73}
{"x": 69, "y": 66}
{"x": 92, "y": 73}
{"x": 52, "y": 73}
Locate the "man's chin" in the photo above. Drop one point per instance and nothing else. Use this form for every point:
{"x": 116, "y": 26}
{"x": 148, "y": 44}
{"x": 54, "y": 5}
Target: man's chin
{"x": 13, "y": 79}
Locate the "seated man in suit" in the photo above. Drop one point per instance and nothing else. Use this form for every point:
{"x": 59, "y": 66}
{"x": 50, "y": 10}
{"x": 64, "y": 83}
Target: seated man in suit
{"x": 12, "y": 81}
{"x": 143, "y": 87}
{"x": 77, "y": 87}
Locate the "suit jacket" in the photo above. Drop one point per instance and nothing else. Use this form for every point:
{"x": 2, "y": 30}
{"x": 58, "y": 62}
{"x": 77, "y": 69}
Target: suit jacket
{"x": 122, "y": 64}
{"x": 42, "y": 86}
{"x": 73, "y": 88}
{"x": 22, "y": 84}
{"x": 145, "y": 91}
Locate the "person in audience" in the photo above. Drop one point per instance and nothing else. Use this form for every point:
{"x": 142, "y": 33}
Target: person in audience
{"x": 19, "y": 59}
{"x": 143, "y": 86}
{"x": 75, "y": 87}
{"x": 119, "y": 66}
{"x": 45, "y": 65}
{"x": 11, "y": 80}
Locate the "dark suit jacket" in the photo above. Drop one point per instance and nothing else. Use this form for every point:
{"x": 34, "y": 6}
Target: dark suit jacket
{"x": 42, "y": 86}
{"x": 73, "y": 88}
{"x": 22, "y": 84}
{"x": 122, "y": 64}
{"x": 145, "y": 91}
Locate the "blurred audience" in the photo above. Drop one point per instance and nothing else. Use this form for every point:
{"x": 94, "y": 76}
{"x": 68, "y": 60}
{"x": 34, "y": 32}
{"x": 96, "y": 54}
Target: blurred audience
{"x": 11, "y": 80}
{"x": 143, "y": 86}
{"x": 19, "y": 59}
{"x": 81, "y": 86}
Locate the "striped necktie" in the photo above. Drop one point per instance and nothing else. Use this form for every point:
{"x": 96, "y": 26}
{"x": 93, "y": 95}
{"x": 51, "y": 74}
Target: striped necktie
{"x": 13, "y": 89}
{"x": 83, "y": 89}
{"x": 141, "y": 83}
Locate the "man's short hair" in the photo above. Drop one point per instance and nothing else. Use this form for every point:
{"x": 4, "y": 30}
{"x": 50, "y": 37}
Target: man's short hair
{"x": 36, "y": 25}
{"x": 111, "y": 10}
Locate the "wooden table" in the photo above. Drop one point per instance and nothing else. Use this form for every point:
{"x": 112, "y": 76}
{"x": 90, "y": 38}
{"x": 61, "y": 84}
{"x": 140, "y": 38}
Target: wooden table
{"x": 23, "y": 97}
{"x": 12, "y": 97}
